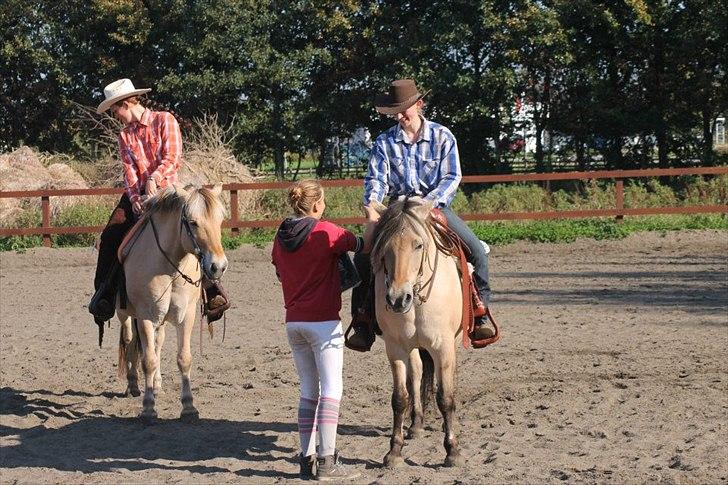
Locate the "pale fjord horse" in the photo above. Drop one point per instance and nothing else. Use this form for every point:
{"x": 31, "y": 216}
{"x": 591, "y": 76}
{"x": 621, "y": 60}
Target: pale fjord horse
{"x": 163, "y": 268}
{"x": 418, "y": 307}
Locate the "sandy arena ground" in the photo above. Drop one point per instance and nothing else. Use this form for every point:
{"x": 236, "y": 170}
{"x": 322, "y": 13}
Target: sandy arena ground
{"x": 612, "y": 368}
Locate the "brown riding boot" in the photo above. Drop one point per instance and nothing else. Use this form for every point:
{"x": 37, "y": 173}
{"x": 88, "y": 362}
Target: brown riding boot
{"x": 329, "y": 469}
{"x": 483, "y": 330}
{"x": 216, "y": 301}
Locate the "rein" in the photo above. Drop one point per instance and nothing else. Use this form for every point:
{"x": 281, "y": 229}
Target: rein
{"x": 198, "y": 252}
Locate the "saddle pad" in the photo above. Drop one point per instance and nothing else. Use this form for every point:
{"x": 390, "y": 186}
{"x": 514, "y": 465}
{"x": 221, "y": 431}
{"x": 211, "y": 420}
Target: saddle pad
{"x": 131, "y": 235}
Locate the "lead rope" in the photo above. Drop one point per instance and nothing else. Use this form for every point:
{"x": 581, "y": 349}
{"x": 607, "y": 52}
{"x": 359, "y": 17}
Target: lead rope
{"x": 203, "y": 300}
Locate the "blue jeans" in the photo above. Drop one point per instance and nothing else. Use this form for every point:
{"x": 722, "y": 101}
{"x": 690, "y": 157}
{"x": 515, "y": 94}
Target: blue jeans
{"x": 478, "y": 257}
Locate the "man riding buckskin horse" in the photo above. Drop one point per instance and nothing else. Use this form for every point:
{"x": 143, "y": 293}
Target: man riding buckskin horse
{"x": 414, "y": 157}
{"x": 150, "y": 148}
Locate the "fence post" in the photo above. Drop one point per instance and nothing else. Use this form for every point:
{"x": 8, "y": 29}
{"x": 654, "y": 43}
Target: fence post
{"x": 234, "y": 210}
{"x": 619, "y": 199}
{"x": 45, "y": 208}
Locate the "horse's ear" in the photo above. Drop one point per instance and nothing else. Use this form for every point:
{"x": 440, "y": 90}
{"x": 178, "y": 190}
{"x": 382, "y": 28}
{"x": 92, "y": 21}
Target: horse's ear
{"x": 377, "y": 206}
{"x": 180, "y": 190}
{"x": 217, "y": 189}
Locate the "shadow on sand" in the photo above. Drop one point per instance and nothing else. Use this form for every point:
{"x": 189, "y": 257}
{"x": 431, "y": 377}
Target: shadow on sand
{"x": 94, "y": 442}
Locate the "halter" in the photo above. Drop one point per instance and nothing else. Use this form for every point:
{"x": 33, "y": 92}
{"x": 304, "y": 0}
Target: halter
{"x": 184, "y": 222}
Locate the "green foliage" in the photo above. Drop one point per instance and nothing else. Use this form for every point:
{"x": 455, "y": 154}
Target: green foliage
{"x": 289, "y": 75}
{"x": 509, "y": 198}
{"x": 79, "y": 215}
{"x": 346, "y": 202}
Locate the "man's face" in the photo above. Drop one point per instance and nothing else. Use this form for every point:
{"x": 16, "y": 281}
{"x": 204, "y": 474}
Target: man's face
{"x": 410, "y": 116}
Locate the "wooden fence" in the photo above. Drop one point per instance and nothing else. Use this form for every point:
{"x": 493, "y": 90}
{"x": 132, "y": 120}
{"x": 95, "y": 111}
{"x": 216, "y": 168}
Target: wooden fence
{"x": 234, "y": 223}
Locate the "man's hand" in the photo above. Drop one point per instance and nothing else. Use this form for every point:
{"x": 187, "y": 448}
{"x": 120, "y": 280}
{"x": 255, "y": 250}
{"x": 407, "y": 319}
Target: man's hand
{"x": 151, "y": 187}
{"x": 370, "y": 213}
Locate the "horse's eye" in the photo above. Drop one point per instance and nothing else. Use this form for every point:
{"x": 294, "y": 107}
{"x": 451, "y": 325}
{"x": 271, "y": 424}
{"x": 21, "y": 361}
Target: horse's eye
{"x": 418, "y": 247}
{"x": 193, "y": 223}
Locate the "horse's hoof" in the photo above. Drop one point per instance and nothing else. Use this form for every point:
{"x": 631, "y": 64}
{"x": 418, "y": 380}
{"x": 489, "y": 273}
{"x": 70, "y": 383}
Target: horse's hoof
{"x": 454, "y": 460}
{"x": 132, "y": 391}
{"x": 413, "y": 433}
{"x": 392, "y": 461}
{"x": 148, "y": 417}
{"x": 189, "y": 415}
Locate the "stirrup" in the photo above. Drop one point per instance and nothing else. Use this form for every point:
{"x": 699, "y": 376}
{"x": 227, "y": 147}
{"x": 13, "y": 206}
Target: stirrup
{"x": 215, "y": 307}
{"x": 479, "y": 344}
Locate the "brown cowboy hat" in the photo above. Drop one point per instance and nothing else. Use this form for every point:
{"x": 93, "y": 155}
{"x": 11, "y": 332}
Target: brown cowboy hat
{"x": 402, "y": 94}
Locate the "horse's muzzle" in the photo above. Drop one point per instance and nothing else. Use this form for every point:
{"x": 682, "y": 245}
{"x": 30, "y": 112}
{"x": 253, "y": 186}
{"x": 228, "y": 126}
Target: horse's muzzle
{"x": 399, "y": 301}
{"x": 214, "y": 268}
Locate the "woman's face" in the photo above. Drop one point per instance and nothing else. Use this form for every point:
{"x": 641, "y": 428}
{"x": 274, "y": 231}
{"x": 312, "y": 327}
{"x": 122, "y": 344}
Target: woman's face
{"x": 409, "y": 118}
{"x": 122, "y": 112}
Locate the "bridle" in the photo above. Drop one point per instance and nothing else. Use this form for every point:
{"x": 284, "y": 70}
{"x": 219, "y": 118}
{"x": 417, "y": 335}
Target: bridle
{"x": 197, "y": 251}
{"x": 419, "y": 287}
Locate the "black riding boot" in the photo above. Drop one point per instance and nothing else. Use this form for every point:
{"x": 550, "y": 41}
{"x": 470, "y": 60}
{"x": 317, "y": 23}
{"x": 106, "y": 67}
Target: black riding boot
{"x": 363, "y": 324}
{"x": 103, "y": 303}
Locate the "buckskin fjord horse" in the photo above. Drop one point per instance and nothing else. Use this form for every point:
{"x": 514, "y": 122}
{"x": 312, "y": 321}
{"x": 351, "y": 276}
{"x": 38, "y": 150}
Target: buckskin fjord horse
{"x": 419, "y": 307}
{"x": 178, "y": 240}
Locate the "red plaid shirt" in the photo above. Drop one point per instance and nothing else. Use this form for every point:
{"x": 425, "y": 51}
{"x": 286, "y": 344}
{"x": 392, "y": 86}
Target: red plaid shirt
{"x": 152, "y": 148}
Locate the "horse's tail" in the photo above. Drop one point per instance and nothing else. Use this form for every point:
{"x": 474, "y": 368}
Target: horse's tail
{"x": 427, "y": 384}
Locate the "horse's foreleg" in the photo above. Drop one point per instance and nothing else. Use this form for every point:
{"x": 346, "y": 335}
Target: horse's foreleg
{"x": 414, "y": 382}
{"x": 184, "y": 363}
{"x": 445, "y": 366}
{"x": 149, "y": 364}
{"x": 158, "y": 343}
{"x": 398, "y": 362}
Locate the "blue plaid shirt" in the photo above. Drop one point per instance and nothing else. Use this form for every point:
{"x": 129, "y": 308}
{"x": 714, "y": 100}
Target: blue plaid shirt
{"x": 429, "y": 167}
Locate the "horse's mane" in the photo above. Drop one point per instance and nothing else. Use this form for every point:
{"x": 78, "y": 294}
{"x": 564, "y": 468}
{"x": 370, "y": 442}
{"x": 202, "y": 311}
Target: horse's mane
{"x": 399, "y": 216}
{"x": 196, "y": 202}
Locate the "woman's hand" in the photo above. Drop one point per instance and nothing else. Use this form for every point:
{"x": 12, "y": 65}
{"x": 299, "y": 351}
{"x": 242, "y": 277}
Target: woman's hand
{"x": 137, "y": 207}
{"x": 151, "y": 187}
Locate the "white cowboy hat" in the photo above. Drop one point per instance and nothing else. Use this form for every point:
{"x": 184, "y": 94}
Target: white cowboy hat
{"x": 118, "y": 90}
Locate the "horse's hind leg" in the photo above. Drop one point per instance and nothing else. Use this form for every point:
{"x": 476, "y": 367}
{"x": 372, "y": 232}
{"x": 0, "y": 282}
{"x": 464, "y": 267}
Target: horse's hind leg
{"x": 398, "y": 362}
{"x": 184, "y": 363}
{"x": 149, "y": 364}
{"x": 414, "y": 382}
{"x": 445, "y": 367}
{"x": 158, "y": 343}
{"x": 129, "y": 356}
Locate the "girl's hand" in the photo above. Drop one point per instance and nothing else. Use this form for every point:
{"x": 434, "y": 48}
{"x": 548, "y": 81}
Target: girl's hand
{"x": 151, "y": 187}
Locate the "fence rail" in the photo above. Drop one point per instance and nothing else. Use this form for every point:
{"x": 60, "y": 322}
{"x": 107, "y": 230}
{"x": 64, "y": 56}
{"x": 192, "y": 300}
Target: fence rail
{"x": 234, "y": 223}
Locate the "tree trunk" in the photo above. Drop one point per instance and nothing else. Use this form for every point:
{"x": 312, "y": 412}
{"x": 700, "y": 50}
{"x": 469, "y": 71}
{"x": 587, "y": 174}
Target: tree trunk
{"x": 662, "y": 145}
{"x": 581, "y": 163}
{"x": 279, "y": 156}
{"x": 708, "y": 127}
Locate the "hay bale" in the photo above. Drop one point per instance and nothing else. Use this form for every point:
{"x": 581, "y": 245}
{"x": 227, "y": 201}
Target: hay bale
{"x": 22, "y": 169}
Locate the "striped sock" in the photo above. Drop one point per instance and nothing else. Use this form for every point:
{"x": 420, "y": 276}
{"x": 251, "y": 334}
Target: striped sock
{"x": 307, "y": 425}
{"x": 328, "y": 420}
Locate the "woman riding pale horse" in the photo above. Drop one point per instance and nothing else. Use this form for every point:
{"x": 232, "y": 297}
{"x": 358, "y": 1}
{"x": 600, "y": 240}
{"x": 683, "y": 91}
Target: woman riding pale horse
{"x": 418, "y": 307}
{"x": 164, "y": 262}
